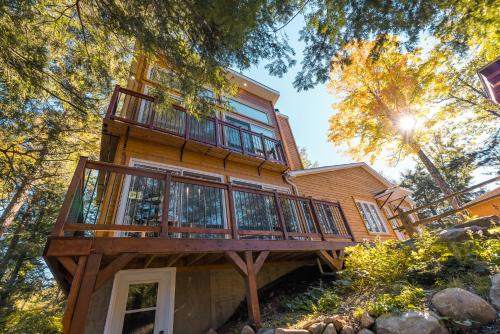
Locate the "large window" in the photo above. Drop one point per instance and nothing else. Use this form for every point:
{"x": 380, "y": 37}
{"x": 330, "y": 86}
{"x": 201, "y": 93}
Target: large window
{"x": 248, "y": 111}
{"x": 371, "y": 216}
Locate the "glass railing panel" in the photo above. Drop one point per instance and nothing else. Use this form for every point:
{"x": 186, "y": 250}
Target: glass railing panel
{"x": 170, "y": 119}
{"x": 256, "y": 212}
{"x": 197, "y": 206}
{"x": 202, "y": 130}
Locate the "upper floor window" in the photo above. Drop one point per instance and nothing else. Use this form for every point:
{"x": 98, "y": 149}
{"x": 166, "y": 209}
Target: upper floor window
{"x": 371, "y": 216}
{"x": 249, "y": 126}
{"x": 248, "y": 111}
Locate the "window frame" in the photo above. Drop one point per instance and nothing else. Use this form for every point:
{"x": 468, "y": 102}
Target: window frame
{"x": 165, "y": 300}
{"x": 252, "y": 123}
{"x": 265, "y": 186}
{"x": 377, "y": 210}
{"x": 235, "y": 111}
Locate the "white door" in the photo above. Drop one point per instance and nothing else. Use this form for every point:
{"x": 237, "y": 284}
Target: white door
{"x": 142, "y": 302}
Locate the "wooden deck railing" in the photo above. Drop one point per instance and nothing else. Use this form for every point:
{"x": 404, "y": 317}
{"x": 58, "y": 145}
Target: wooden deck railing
{"x": 139, "y": 109}
{"x": 104, "y": 199}
{"x": 410, "y": 227}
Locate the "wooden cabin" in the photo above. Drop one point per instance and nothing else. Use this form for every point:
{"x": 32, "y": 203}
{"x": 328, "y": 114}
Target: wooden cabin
{"x": 185, "y": 218}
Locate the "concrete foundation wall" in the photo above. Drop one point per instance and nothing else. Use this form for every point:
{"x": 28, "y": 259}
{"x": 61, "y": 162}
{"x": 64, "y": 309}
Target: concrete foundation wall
{"x": 204, "y": 298}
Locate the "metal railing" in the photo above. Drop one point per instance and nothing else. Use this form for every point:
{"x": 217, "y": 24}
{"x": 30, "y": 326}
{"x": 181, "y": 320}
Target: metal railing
{"x": 104, "y": 199}
{"x": 139, "y": 109}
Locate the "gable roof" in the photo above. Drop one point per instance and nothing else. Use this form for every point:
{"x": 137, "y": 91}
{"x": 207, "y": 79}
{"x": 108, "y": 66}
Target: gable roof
{"x": 326, "y": 169}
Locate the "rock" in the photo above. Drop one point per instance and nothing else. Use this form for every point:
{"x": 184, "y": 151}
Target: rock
{"x": 247, "y": 330}
{"x": 453, "y": 234}
{"x": 347, "y": 330}
{"x": 337, "y": 320}
{"x": 330, "y": 329}
{"x": 291, "y": 331}
{"x": 365, "y": 331}
{"x": 266, "y": 331}
{"x": 462, "y": 305}
{"x": 317, "y": 328}
{"x": 495, "y": 291}
{"x": 211, "y": 331}
{"x": 366, "y": 320}
{"x": 410, "y": 323}
{"x": 308, "y": 323}
{"x": 484, "y": 222}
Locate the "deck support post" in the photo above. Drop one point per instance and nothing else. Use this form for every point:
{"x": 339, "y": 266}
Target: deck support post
{"x": 73, "y": 293}
{"x": 248, "y": 269}
{"x": 77, "y": 325}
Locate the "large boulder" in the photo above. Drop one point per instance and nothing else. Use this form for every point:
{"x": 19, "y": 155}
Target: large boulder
{"x": 463, "y": 306}
{"x": 365, "y": 331}
{"x": 347, "y": 330}
{"x": 366, "y": 320}
{"x": 317, "y": 328}
{"x": 247, "y": 330}
{"x": 410, "y": 323}
{"x": 337, "y": 320}
{"x": 330, "y": 329}
{"x": 495, "y": 291}
{"x": 291, "y": 331}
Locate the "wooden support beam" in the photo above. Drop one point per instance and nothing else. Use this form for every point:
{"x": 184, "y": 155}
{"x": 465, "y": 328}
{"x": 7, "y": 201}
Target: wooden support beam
{"x": 111, "y": 269}
{"x": 78, "y": 321}
{"x": 259, "y": 262}
{"x": 213, "y": 258}
{"x": 171, "y": 261}
{"x": 73, "y": 293}
{"x": 149, "y": 260}
{"x": 195, "y": 258}
{"x": 237, "y": 263}
{"x": 252, "y": 294}
{"x": 333, "y": 263}
{"x": 68, "y": 264}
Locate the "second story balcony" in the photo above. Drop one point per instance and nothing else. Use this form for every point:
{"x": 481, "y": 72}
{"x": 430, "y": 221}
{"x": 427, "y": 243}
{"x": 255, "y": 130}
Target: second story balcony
{"x": 208, "y": 134}
{"x": 107, "y": 200}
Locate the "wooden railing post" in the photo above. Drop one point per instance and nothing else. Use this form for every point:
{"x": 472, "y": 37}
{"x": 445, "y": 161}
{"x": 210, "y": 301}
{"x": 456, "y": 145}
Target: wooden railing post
{"x": 58, "y": 229}
{"x": 112, "y": 104}
{"x": 217, "y": 144}
{"x": 281, "y": 218}
{"x": 241, "y": 140}
{"x": 263, "y": 141}
{"x": 188, "y": 123}
{"x": 166, "y": 202}
{"x": 344, "y": 221}
{"x": 316, "y": 218}
{"x": 232, "y": 215}
{"x": 152, "y": 117}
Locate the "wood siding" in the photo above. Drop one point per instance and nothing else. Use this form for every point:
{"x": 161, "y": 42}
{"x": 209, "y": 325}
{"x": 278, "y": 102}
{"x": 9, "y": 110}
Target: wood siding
{"x": 346, "y": 185}
{"x": 288, "y": 140}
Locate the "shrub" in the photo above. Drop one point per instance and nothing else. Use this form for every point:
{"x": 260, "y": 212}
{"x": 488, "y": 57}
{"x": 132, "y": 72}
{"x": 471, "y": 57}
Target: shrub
{"x": 409, "y": 298}
{"x": 376, "y": 264}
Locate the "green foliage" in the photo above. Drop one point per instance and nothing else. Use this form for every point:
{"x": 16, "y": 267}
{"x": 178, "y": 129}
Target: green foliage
{"x": 33, "y": 321}
{"x": 395, "y": 275}
{"x": 314, "y": 300}
{"x": 457, "y": 26}
{"x": 409, "y": 298}
{"x": 374, "y": 265}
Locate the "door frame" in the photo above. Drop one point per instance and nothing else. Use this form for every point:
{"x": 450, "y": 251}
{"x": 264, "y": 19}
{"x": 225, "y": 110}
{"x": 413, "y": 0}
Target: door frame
{"x": 165, "y": 301}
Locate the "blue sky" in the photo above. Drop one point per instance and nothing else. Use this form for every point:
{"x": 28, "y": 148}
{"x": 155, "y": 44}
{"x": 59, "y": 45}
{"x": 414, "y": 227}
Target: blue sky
{"x": 309, "y": 112}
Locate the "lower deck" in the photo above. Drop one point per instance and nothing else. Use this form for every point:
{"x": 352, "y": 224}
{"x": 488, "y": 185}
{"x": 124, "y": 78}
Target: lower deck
{"x": 215, "y": 275}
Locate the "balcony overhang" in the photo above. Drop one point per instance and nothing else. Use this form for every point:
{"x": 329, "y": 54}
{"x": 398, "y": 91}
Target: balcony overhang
{"x": 120, "y": 128}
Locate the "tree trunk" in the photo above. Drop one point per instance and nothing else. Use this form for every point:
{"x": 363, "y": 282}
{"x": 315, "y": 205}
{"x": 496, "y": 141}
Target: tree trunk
{"x": 437, "y": 177}
{"x": 15, "y": 204}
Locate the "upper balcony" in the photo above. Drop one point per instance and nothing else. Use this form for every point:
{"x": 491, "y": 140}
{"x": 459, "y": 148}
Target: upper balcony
{"x": 209, "y": 135}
